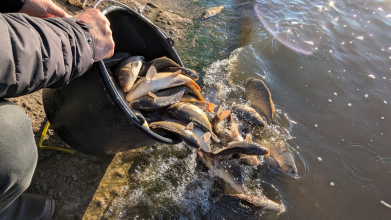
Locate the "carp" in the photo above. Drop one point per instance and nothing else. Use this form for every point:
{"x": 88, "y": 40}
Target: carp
{"x": 194, "y": 100}
{"x": 248, "y": 114}
{"x": 280, "y": 158}
{"x": 261, "y": 202}
{"x": 260, "y": 97}
{"x": 192, "y": 74}
{"x": 190, "y": 113}
{"x": 184, "y": 133}
{"x": 219, "y": 117}
{"x": 228, "y": 171}
{"x": 210, "y": 12}
{"x": 243, "y": 147}
{"x": 127, "y": 72}
{"x": 153, "y": 82}
{"x": 164, "y": 64}
{"x": 152, "y": 103}
{"x": 234, "y": 135}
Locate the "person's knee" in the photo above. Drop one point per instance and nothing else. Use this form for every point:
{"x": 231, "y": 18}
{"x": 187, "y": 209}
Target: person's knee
{"x": 18, "y": 152}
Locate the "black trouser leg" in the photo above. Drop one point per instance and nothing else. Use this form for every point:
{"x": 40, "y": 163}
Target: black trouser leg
{"x": 18, "y": 153}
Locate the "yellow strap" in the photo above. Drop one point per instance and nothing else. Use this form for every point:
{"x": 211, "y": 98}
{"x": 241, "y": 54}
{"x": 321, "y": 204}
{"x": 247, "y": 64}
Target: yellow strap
{"x": 45, "y": 129}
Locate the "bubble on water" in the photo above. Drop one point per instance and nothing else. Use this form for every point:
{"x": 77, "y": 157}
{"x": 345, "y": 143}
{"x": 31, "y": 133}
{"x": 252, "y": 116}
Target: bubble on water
{"x": 332, "y": 184}
{"x": 349, "y": 104}
{"x": 372, "y": 76}
{"x": 309, "y": 42}
{"x": 342, "y": 42}
{"x": 385, "y": 102}
{"x": 336, "y": 19}
{"x": 331, "y": 4}
{"x": 360, "y": 37}
{"x": 330, "y": 100}
{"x": 294, "y": 22}
{"x": 386, "y": 204}
{"x": 388, "y": 16}
{"x": 335, "y": 94}
{"x": 380, "y": 9}
{"x": 319, "y": 7}
{"x": 382, "y": 117}
{"x": 319, "y": 158}
{"x": 316, "y": 125}
{"x": 344, "y": 25}
{"x": 366, "y": 95}
{"x": 330, "y": 51}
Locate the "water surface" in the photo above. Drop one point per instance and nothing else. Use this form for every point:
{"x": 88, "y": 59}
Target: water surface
{"x": 329, "y": 74}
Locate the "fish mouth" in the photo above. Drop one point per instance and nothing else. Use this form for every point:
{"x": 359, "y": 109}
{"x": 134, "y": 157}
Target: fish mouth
{"x": 292, "y": 172}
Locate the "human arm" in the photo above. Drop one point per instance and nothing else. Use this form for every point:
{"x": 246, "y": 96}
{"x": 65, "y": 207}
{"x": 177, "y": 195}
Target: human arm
{"x": 37, "y": 53}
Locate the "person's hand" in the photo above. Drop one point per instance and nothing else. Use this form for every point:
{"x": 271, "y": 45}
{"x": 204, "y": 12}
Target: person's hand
{"x": 101, "y": 32}
{"x": 43, "y": 9}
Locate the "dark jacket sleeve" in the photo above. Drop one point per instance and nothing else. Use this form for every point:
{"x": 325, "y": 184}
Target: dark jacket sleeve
{"x": 11, "y": 5}
{"x": 37, "y": 53}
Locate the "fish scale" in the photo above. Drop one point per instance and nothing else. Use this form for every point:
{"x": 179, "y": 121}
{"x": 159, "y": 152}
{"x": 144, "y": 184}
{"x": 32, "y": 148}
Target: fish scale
{"x": 260, "y": 97}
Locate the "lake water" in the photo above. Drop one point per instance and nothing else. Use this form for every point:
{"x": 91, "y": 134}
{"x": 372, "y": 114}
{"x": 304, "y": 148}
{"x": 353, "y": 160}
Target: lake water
{"x": 328, "y": 67}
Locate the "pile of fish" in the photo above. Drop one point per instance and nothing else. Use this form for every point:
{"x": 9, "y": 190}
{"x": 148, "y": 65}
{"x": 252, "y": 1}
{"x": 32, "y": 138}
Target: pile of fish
{"x": 167, "y": 97}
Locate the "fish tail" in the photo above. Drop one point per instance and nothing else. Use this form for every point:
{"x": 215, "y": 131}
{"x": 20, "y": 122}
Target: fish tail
{"x": 211, "y": 106}
{"x": 223, "y": 115}
{"x": 195, "y": 90}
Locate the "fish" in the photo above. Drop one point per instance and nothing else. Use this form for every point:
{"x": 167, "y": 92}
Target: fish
{"x": 228, "y": 171}
{"x": 115, "y": 59}
{"x": 210, "y": 12}
{"x": 219, "y": 117}
{"x": 164, "y": 63}
{"x": 184, "y": 133}
{"x": 248, "y": 114}
{"x": 192, "y": 74}
{"x": 234, "y": 135}
{"x": 192, "y": 99}
{"x": 188, "y": 112}
{"x": 280, "y": 158}
{"x": 193, "y": 92}
{"x": 260, "y": 97}
{"x": 151, "y": 103}
{"x": 153, "y": 82}
{"x": 264, "y": 203}
{"x": 243, "y": 147}
{"x": 127, "y": 71}
{"x": 158, "y": 63}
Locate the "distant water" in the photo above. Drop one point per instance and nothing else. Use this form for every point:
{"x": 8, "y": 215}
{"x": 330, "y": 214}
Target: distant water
{"x": 328, "y": 67}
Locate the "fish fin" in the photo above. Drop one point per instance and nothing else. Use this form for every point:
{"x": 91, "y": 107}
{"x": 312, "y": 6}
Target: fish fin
{"x": 234, "y": 129}
{"x": 152, "y": 95}
{"x": 249, "y": 138}
{"x": 190, "y": 126}
{"x": 151, "y": 73}
{"x": 206, "y": 138}
{"x": 248, "y": 103}
{"x": 219, "y": 110}
{"x": 223, "y": 115}
{"x": 174, "y": 74}
{"x": 211, "y": 106}
{"x": 215, "y": 138}
{"x": 193, "y": 85}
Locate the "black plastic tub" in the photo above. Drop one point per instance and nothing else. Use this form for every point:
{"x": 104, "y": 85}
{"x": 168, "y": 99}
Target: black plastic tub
{"x": 89, "y": 113}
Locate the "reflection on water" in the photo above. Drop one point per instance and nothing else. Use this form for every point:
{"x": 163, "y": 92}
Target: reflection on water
{"x": 333, "y": 106}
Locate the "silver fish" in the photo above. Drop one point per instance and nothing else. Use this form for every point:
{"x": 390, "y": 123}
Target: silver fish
{"x": 153, "y": 82}
{"x": 127, "y": 71}
{"x": 230, "y": 172}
